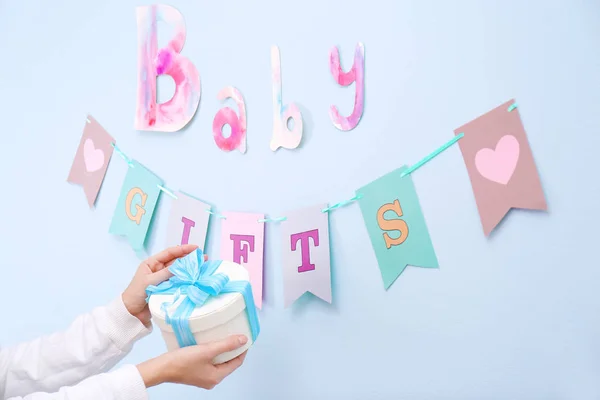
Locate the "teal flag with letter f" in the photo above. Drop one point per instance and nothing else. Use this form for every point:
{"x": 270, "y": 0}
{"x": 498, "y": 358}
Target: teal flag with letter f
{"x": 396, "y": 226}
{"x": 138, "y": 199}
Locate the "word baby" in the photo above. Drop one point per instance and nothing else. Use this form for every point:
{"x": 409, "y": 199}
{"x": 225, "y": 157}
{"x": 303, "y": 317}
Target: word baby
{"x": 177, "y": 112}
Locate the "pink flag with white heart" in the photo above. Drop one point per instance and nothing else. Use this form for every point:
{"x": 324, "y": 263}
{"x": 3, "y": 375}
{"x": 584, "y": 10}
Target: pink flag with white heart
{"x": 500, "y": 165}
{"x": 91, "y": 159}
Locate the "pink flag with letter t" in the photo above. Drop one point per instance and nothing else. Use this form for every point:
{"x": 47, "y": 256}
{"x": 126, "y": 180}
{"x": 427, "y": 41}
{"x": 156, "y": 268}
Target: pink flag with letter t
{"x": 500, "y": 164}
{"x": 242, "y": 241}
{"x": 306, "y": 256}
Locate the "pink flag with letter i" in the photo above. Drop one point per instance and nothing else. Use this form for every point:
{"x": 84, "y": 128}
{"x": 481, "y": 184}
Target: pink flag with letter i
{"x": 500, "y": 165}
{"x": 91, "y": 159}
{"x": 242, "y": 241}
{"x": 306, "y": 255}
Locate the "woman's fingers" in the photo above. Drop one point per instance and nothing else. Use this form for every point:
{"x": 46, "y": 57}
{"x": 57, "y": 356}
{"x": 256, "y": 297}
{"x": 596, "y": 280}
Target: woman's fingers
{"x": 228, "y": 344}
{"x": 159, "y": 276}
{"x": 230, "y": 366}
{"x": 168, "y": 256}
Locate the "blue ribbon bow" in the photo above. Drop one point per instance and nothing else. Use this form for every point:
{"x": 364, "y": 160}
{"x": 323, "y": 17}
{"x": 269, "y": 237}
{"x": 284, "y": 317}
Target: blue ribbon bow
{"x": 197, "y": 279}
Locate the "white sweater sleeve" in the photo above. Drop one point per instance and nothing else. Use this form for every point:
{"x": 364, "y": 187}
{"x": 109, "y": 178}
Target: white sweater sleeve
{"x": 94, "y": 343}
{"x": 123, "y": 384}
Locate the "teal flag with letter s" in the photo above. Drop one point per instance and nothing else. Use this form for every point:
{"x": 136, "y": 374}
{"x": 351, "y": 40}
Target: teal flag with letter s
{"x": 396, "y": 226}
{"x": 138, "y": 199}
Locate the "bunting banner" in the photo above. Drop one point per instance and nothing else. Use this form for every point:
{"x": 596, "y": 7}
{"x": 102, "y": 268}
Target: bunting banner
{"x": 91, "y": 159}
{"x": 242, "y": 241}
{"x": 495, "y": 149}
{"x": 305, "y": 254}
{"x": 500, "y": 165}
{"x": 494, "y": 146}
{"x": 188, "y": 221}
{"x": 395, "y": 223}
{"x": 136, "y": 204}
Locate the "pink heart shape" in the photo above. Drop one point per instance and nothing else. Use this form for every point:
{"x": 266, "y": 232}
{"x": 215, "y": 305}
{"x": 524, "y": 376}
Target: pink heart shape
{"x": 93, "y": 157}
{"x": 499, "y": 165}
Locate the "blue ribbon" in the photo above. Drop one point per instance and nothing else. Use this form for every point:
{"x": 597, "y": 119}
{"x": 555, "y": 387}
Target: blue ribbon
{"x": 196, "y": 278}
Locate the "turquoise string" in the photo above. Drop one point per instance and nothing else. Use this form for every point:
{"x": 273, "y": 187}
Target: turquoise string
{"x": 278, "y": 219}
{"x": 123, "y": 156}
{"x": 167, "y": 191}
{"x": 221, "y": 216}
{"x": 342, "y": 203}
{"x": 512, "y": 107}
{"x": 131, "y": 164}
{"x": 432, "y": 155}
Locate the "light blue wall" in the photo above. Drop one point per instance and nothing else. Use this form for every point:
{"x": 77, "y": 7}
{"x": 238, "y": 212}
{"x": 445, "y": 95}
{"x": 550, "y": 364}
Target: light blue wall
{"x": 516, "y": 316}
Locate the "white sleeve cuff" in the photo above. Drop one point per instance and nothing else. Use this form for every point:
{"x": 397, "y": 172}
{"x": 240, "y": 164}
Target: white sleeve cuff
{"x": 128, "y": 384}
{"x": 123, "y": 328}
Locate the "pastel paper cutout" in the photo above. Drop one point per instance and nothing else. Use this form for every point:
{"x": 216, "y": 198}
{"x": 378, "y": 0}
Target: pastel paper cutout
{"x": 188, "y": 221}
{"x": 177, "y": 112}
{"x": 392, "y": 213}
{"x": 355, "y": 75}
{"x": 498, "y": 165}
{"x": 505, "y": 177}
{"x": 242, "y": 241}
{"x": 188, "y": 224}
{"x": 306, "y": 259}
{"x": 136, "y": 205}
{"x": 91, "y": 159}
{"x": 282, "y": 136}
{"x": 237, "y": 139}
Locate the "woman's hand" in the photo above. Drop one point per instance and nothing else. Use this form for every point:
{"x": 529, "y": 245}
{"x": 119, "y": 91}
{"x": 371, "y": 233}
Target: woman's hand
{"x": 152, "y": 271}
{"x": 193, "y": 365}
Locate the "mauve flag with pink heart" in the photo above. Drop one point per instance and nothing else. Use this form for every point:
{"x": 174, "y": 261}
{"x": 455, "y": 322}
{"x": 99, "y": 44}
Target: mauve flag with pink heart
{"x": 501, "y": 165}
{"x": 91, "y": 159}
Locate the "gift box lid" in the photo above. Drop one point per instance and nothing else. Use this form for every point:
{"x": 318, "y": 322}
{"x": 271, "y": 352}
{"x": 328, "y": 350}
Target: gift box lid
{"x": 216, "y": 311}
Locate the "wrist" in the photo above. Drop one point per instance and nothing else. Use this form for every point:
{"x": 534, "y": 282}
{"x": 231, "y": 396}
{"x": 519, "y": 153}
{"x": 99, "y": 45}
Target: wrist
{"x": 134, "y": 309}
{"x": 154, "y": 371}
{"x": 127, "y": 302}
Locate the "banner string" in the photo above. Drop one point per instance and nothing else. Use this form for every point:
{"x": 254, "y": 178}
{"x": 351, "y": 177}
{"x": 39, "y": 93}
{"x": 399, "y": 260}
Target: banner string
{"x": 123, "y": 156}
{"x": 168, "y": 191}
{"x": 342, "y": 203}
{"x": 332, "y": 207}
{"x": 442, "y": 148}
{"x": 220, "y": 216}
{"x": 132, "y": 165}
{"x": 433, "y": 154}
{"x": 277, "y": 219}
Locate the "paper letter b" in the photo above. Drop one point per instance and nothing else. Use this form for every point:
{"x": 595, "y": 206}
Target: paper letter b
{"x": 174, "y": 114}
{"x": 282, "y": 136}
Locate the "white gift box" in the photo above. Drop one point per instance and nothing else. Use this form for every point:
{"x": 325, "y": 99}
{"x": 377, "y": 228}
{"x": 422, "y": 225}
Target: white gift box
{"x": 219, "y": 317}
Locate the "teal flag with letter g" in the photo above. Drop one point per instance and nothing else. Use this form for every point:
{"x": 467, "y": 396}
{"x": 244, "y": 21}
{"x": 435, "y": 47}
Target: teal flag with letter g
{"x": 396, "y": 226}
{"x": 136, "y": 205}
